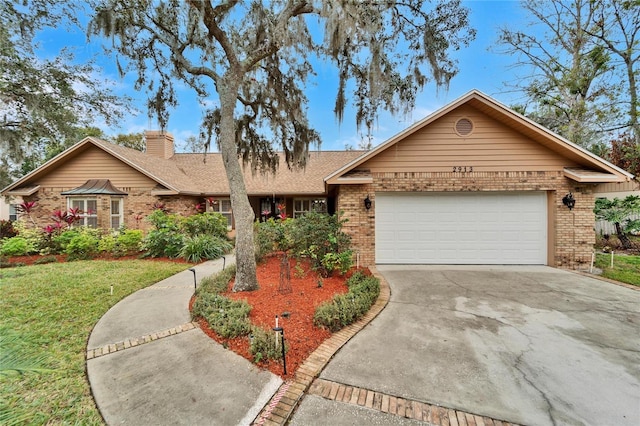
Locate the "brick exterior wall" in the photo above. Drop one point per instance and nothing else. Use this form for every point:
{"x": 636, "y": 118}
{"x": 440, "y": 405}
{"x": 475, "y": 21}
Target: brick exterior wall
{"x": 136, "y": 206}
{"x": 571, "y": 232}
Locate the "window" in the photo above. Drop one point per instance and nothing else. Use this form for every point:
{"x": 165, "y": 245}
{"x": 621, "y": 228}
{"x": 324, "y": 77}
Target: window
{"x": 13, "y": 212}
{"x": 305, "y": 205}
{"x": 222, "y": 206}
{"x": 269, "y": 207}
{"x": 87, "y": 210}
{"x": 116, "y": 213}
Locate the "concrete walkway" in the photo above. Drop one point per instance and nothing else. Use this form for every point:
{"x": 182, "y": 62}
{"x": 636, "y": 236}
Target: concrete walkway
{"x": 148, "y": 364}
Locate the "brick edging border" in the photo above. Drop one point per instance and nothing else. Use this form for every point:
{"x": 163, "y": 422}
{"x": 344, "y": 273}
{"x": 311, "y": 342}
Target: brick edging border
{"x": 280, "y": 407}
{"x": 136, "y": 341}
{"x": 403, "y": 407}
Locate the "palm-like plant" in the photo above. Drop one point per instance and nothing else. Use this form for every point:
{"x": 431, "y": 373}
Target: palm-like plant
{"x": 618, "y": 212}
{"x": 16, "y": 361}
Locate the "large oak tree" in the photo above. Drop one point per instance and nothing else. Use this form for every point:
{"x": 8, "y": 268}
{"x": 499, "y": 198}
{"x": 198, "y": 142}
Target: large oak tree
{"x": 45, "y": 100}
{"x": 580, "y": 60}
{"x": 255, "y": 59}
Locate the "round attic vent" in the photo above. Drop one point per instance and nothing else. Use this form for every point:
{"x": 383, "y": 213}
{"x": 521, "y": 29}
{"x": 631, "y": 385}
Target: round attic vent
{"x": 464, "y": 127}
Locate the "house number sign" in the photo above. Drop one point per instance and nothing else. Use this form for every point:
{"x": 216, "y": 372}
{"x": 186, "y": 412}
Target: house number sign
{"x": 462, "y": 169}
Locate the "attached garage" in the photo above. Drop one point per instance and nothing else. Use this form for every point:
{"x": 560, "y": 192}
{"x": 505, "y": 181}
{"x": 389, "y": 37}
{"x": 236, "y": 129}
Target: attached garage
{"x": 461, "y": 228}
{"x": 473, "y": 183}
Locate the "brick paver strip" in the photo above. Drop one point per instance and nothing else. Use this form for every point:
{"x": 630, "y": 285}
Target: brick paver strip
{"x": 402, "y": 407}
{"x": 362, "y": 397}
{"x": 354, "y": 396}
{"x": 453, "y": 418}
{"x": 340, "y": 393}
{"x": 393, "y": 405}
{"x": 135, "y": 341}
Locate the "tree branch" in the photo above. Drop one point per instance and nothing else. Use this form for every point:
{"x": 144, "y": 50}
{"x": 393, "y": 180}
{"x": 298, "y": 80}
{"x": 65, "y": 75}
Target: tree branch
{"x": 293, "y": 9}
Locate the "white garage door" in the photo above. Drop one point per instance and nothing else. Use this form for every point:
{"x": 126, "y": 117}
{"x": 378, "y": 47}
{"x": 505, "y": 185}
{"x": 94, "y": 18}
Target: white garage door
{"x": 476, "y": 228}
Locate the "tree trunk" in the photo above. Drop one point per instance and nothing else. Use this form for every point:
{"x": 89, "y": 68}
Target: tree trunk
{"x": 246, "y": 279}
{"x": 633, "y": 92}
{"x": 626, "y": 243}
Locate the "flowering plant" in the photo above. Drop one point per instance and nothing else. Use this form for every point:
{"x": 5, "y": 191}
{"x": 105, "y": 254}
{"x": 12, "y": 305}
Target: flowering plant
{"x": 26, "y": 207}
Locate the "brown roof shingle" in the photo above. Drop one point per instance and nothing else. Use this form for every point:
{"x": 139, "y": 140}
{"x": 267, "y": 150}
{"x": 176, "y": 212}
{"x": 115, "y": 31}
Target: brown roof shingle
{"x": 205, "y": 174}
{"x": 200, "y": 174}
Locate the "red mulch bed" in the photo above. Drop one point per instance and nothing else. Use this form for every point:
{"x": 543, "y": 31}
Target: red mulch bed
{"x": 299, "y": 332}
{"x": 30, "y": 260}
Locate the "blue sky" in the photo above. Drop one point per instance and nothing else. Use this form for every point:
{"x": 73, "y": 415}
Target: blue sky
{"x": 480, "y": 68}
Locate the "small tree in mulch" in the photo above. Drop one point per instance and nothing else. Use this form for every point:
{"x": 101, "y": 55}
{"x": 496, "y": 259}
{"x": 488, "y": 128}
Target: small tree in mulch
{"x": 285, "y": 275}
{"x": 316, "y": 237}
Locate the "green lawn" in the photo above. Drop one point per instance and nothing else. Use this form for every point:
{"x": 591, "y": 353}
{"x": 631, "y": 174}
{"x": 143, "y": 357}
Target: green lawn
{"x": 51, "y": 309}
{"x": 625, "y": 269}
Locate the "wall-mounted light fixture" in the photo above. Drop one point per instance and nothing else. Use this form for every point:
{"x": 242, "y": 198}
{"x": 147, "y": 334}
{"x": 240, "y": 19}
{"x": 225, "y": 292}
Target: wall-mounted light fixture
{"x": 367, "y": 202}
{"x": 569, "y": 201}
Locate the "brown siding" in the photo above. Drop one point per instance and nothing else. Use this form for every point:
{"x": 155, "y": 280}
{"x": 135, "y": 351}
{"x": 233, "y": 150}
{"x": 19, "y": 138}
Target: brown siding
{"x": 490, "y": 147}
{"x": 95, "y": 164}
{"x": 618, "y": 187}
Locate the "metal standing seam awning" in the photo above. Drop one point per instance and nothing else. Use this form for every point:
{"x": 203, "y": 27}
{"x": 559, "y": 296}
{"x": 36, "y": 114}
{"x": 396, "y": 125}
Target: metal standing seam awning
{"x": 95, "y": 187}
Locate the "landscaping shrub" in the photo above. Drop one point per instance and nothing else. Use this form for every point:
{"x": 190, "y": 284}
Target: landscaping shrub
{"x": 6, "y": 229}
{"x": 83, "y": 246}
{"x": 33, "y": 236}
{"x": 274, "y": 235}
{"x": 17, "y": 246}
{"x": 107, "y": 244}
{"x": 128, "y": 241}
{"x": 204, "y": 247}
{"x": 265, "y": 344}
{"x": 264, "y": 238}
{"x": 345, "y": 309}
{"x": 197, "y": 237}
{"x": 207, "y": 223}
{"x": 229, "y": 318}
{"x": 163, "y": 242}
{"x": 217, "y": 283}
{"x": 315, "y": 236}
{"x": 341, "y": 262}
{"x": 62, "y": 240}
{"x": 162, "y": 220}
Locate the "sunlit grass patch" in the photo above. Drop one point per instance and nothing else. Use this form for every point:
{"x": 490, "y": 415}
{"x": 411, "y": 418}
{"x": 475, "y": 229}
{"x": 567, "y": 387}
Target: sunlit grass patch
{"x": 53, "y": 308}
{"x": 625, "y": 268}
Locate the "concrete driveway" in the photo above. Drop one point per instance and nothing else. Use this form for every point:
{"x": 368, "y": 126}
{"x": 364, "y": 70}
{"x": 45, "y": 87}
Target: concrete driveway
{"x": 528, "y": 345}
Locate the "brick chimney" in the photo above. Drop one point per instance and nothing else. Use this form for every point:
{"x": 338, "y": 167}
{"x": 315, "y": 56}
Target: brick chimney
{"x": 159, "y": 143}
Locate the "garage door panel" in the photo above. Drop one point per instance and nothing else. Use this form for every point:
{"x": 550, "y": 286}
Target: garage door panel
{"x": 448, "y": 228}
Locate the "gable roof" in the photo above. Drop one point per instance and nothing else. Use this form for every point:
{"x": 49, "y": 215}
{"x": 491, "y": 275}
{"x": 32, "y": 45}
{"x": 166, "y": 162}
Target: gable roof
{"x": 200, "y": 174}
{"x": 594, "y": 168}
